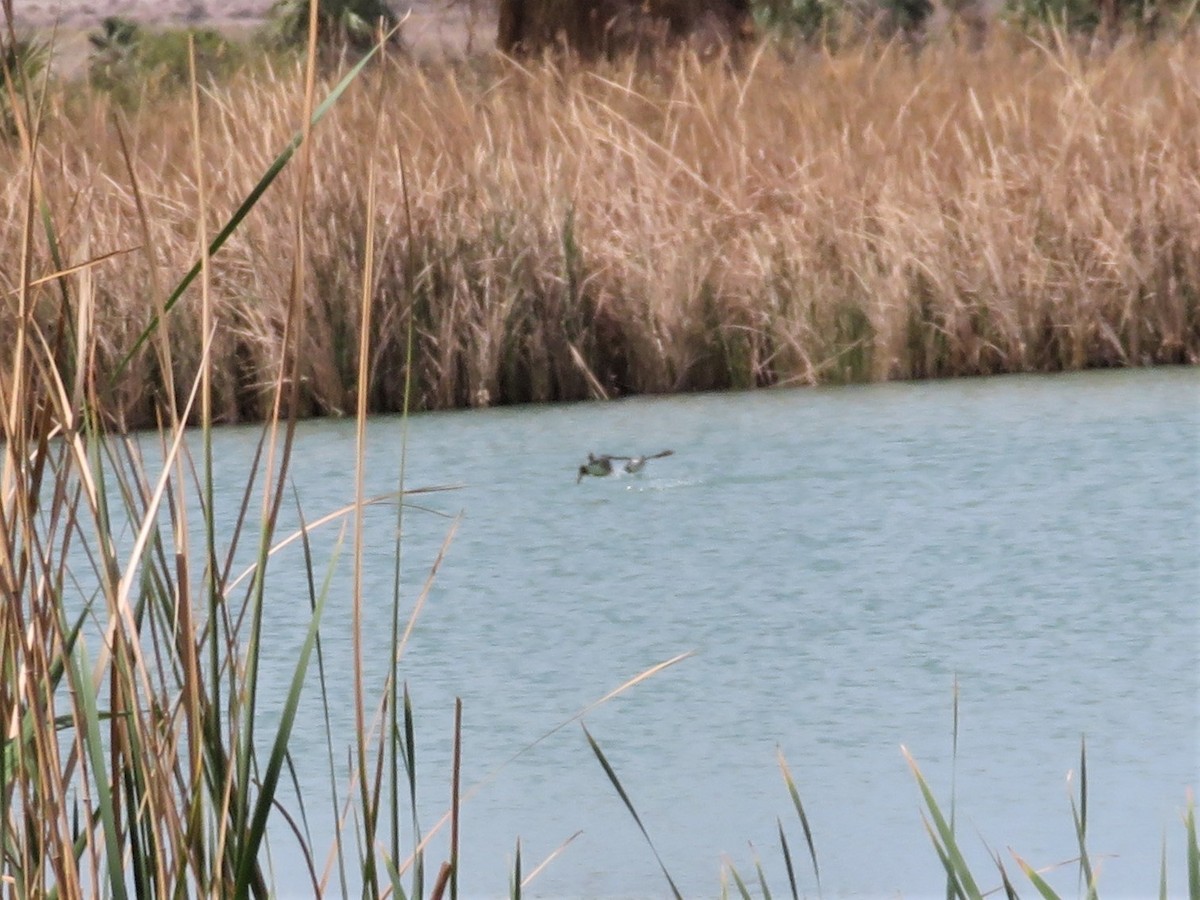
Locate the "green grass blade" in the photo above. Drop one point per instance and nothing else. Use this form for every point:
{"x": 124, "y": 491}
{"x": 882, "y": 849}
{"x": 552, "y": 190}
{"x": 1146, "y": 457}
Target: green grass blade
{"x": 787, "y": 860}
{"x": 741, "y": 885}
{"x": 1162, "y": 869}
{"x": 1083, "y": 791}
{"x": 1079, "y": 818}
{"x": 393, "y": 874}
{"x": 808, "y": 837}
{"x": 953, "y": 768}
{"x": 1193, "y": 851}
{"x": 455, "y": 796}
{"x": 946, "y": 834}
{"x": 515, "y": 888}
{"x": 410, "y": 772}
{"x": 322, "y": 681}
{"x": 1010, "y": 892}
{"x": 1047, "y": 892}
{"x": 616, "y": 783}
{"x": 953, "y": 887}
{"x": 762, "y": 878}
{"x": 94, "y": 747}
{"x": 256, "y": 832}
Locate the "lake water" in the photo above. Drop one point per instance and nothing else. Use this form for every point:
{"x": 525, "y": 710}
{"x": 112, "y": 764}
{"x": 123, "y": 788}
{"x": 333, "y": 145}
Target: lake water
{"x": 835, "y": 559}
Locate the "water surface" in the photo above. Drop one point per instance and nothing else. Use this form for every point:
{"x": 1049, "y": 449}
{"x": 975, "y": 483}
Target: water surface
{"x": 836, "y": 559}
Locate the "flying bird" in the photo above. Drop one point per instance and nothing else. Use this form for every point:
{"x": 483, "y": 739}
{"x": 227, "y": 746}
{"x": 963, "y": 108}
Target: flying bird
{"x": 637, "y": 463}
{"x": 597, "y": 465}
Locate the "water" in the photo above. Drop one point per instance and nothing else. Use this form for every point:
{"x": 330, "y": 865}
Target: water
{"x": 835, "y": 559}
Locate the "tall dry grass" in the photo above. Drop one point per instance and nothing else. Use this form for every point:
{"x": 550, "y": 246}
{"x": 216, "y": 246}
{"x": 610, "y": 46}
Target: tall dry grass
{"x": 867, "y": 214}
{"x": 143, "y": 743}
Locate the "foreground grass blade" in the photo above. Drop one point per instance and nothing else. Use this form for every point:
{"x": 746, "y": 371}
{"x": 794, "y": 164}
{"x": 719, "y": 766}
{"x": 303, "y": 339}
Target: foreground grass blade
{"x": 95, "y": 748}
{"x": 1162, "y": 870}
{"x": 808, "y": 838}
{"x": 953, "y": 888}
{"x": 270, "y": 781}
{"x": 787, "y": 860}
{"x": 1193, "y": 851}
{"x": 616, "y": 783}
{"x": 953, "y": 773}
{"x": 1079, "y": 817}
{"x": 410, "y": 772}
{"x": 743, "y": 891}
{"x": 954, "y": 858}
{"x": 455, "y": 797}
{"x": 762, "y": 878}
{"x": 1010, "y": 892}
{"x": 1043, "y": 888}
{"x": 514, "y": 890}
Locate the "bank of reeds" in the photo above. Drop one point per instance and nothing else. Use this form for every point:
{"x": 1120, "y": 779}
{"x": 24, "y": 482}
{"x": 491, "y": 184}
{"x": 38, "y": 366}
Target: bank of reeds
{"x": 876, "y": 213}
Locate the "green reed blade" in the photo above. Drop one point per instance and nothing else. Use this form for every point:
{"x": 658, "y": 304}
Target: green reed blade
{"x": 455, "y": 796}
{"x": 1047, "y": 892}
{"x": 514, "y": 890}
{"x": 953, "y": 767}
{"x": 616, "y": 783}
{"x": 945, "y": 833}
{"x": 953, "y": 887}
{"x": 393, "y": 874}
{"x": 322, "y": 681}
{"x": 1083, "y": 791}
{"x": 787, "y": 860}
{"x": 762, "y": 878}
{"x": 257, "y": 826}
{"x": 1162, "y": 869}
{"x": 410, "y": 771}
{"x": 1193, "y": 851}
{"x": 1079, "y": 818}
{"x": 741, "y": 885}
{"x": 1010, "y": 892}
{"x": 94, "y": 747}
{"x": 808, "y": 837}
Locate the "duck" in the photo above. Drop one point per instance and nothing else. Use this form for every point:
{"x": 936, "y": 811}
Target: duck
{"x": 597, "y": 465}
{"x": 635, "y": 464}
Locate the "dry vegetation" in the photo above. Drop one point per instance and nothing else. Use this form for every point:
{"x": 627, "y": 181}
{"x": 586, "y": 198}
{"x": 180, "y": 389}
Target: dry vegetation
{"x": 545, "y": 234}
{"x": 875, "y": 213}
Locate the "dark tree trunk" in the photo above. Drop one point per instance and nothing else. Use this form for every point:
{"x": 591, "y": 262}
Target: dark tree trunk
{"x": 613, "y": 27}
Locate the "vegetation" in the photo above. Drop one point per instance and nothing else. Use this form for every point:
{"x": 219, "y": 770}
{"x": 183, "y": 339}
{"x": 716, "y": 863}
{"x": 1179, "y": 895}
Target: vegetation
{"x": 129, "y": 62}
{"x": 340, "y": 23}
{"x": 21, "y": 62}
{"x": 838, "y": 20}
{"x": 134, "y": 755}
{"x": 555, "y": 234}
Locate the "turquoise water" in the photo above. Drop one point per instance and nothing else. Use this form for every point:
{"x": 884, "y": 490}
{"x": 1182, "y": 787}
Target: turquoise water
{"x": 836, "y": 560}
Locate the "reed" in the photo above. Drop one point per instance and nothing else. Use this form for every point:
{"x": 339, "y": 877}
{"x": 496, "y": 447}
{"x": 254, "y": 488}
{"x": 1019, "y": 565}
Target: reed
{"x": 864, "y": 214}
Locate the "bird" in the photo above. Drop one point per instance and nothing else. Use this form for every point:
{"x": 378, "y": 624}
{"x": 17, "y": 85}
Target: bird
{"x": 635, "y": 464}
{"x": 597, "y": 465}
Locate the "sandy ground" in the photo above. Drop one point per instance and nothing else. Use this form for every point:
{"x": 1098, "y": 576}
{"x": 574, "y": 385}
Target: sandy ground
{"x": 433, "y": 28}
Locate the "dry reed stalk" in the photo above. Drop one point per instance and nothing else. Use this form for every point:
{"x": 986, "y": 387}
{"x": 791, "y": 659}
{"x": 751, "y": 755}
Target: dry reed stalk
{"x": 866, "y": 214}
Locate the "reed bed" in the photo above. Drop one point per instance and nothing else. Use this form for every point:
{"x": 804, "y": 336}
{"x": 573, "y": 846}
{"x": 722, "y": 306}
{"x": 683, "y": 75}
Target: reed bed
{"x": 554, "y": 232}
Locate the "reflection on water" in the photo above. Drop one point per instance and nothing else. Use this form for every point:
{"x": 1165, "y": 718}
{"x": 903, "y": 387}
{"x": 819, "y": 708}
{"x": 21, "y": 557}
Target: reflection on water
{"x": 836, "y": 558}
